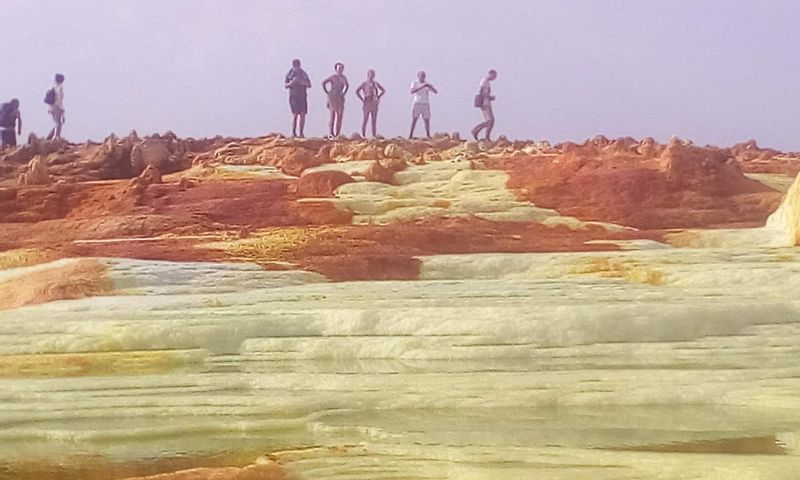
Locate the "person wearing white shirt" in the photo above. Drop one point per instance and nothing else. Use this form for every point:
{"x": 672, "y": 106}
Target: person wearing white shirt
{"x": 57, "y": 108}
{"x": 484, "y": 102}
{"x": 420, "y": 90}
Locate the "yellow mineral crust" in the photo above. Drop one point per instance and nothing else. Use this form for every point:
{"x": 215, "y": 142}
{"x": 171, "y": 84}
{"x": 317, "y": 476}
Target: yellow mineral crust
{"x": 67, "y": 280}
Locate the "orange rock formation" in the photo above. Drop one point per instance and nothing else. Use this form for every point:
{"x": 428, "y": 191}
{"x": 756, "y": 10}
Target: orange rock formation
{"x": 162, "y": 197}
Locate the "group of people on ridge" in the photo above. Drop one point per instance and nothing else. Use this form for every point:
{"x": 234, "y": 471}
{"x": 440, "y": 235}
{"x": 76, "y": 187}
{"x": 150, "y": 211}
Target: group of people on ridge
{"x": 11, "y": 117}
{"x": 370, "y": 93}
{"x": 297, "y": 82}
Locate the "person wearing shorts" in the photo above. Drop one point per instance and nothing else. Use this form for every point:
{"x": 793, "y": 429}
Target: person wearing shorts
{"x": 297, "y": 82}
{"x": 420, "y": 91}
{"x": 336, "y": 86}
{"x": 57, "y": 108}
{"x": 485, "y": 101}
{"x": 11, "y": 119}
{"x": 370, "y": 93}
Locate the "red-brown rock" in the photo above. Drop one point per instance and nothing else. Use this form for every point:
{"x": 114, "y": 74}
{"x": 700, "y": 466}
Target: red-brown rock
{"x": 395, "y": 164}
{"x": 149, "y": 176}
{"x": 378, "y": 173}
{"x": 685, "y": 187}
{"x": 298, "y": 160}
{"x": 35, "y": 173}
{"x": 321, "y": 184}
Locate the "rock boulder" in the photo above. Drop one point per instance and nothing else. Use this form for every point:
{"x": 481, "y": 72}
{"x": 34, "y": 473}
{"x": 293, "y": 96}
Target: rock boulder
{"x": 298, "y": 160}
{"x": 35, "y": 173}
{"x": 321, "y": 184}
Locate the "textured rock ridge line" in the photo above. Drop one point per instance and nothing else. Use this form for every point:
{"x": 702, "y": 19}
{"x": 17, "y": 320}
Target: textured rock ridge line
{"x": 787, "y": 217}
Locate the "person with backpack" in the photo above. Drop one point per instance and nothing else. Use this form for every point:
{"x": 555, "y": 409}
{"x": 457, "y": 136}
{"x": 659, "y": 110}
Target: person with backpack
{"x": 10, "y": 118}
{"x": 483, "y": 100}
{"x": 55, "y": 98}
{"x": 297, "y": 83}
{"x": 370, "y": 93}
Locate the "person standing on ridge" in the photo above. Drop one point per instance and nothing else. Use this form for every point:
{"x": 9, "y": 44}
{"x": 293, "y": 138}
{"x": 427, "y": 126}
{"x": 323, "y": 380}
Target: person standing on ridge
{"x": 9, "y": 119}
{"x": 336, "y": 86}
{"x": 297, "y": 82}
{"x": 55, "y": 98}
{"x": 483, "y": 100}
{"x": 370, "y": 93}
{"x": 420, "y": 90}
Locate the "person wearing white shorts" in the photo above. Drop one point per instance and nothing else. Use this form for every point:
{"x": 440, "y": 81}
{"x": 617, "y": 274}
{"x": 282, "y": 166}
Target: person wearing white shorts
{"x": 420, "y": 110}
{"x": 420, "y": 90}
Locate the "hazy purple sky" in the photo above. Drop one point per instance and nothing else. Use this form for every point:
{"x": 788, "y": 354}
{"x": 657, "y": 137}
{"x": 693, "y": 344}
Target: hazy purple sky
{"x": 716, "y": 71}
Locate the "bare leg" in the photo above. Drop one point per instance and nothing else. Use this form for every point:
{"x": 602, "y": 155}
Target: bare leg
{"x": 302, "y": 124}
{"x": 375, "y": 123}
{"x": 477, "y": 130}
{"x": 427, "y": 126}
{"x": 339, "y": 117}
{"x": 331, "y": 123}
{"x": 489, "y": 126}
{"x": 294, "y": 124}
{"x": 59, "y": 123}
{"x": 364, "y": 124}
{"x": 413, "y": 125}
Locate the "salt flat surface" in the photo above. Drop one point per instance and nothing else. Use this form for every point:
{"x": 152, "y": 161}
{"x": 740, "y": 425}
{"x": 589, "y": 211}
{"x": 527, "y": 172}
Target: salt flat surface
{"x": 555, "y": 366}
{"x": 449, "y": 188}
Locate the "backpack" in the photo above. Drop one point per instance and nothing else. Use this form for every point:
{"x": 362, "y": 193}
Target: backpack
{"x": 6, "y": 120}
{"x": 50, "y": 97}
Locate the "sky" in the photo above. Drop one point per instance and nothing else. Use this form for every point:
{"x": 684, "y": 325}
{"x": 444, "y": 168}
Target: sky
{"x": 714, "y": 71}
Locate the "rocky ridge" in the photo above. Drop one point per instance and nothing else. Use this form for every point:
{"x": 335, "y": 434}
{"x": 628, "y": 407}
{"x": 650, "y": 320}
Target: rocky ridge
{"x": 358, "y": 209}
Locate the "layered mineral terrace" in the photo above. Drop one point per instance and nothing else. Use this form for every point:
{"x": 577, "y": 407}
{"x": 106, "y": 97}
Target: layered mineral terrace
{"x": 273, "y": 308}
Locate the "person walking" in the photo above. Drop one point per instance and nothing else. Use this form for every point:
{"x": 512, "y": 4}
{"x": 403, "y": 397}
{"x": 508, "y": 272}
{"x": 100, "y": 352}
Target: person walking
{"x": 297, "y": 82}
{"x": 336, "y": 86}
{"x": 370, "y": 93}
{"x": 420, "y": 91}
{"x": 10, "y": 118}
{"x": 55, "y": 98}
{"x": 483, "y": 100}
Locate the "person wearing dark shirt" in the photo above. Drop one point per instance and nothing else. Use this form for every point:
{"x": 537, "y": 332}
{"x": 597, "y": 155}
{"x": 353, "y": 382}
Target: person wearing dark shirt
{"x": 297, "y": 82}
{"x": 10, "y": 118}
{"x": 336, "y": 87}
{"x": 370, "y": 93}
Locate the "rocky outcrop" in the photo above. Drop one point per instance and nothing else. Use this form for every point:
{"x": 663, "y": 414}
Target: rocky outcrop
{"x": 643, "y": 185}
{"x": 516, "y": 196}
{"x": 150, "y": 176}
{"x": 383, "y": 171}
{"x": 280, "y": 153}
{"x": 786, "y": 218}
{"x": 392, "y": 151}
{"x": 376, "y": 172}
{"x": 35, "y": 173}
{"x": 35, "y": 146}
{"x": 115, "y": 158}
{"x": 749, "y": 151}
{"x": 369, "y": 152}
{"x": 710, "y": 171}
{"x": 126, "y": 157}
{"x": 298, "y": 160}
{"x": 71, "y": 280}
{"x": 166, "y": 153}
{"x": 321, "y": 184}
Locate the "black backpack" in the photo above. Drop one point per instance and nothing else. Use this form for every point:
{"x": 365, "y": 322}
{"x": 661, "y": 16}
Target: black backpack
{"x": 50, "y": 97}
{"x": 5, "y": 116}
